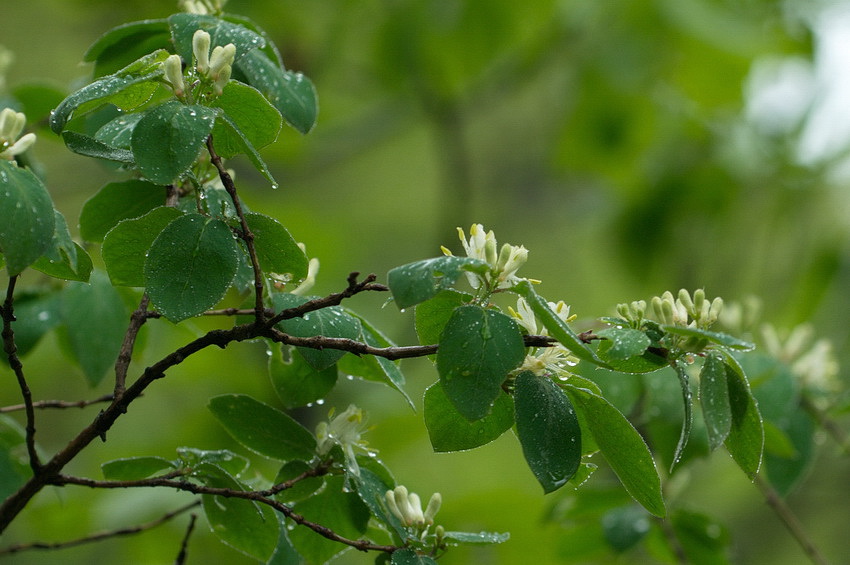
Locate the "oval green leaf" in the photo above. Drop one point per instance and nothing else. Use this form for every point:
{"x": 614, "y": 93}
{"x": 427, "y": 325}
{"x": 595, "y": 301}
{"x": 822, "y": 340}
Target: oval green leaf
{"x": 118, "y": 201}
{"x": 449, "y": 430}
{"x": 277, "y": 251}
{"x": 622, "y": 446}
{"x": 417, "y": 282}
{"x": 190, "y": 266}
{"x": 28, "y": 224}
{"x": 250, "y": 113}
{"x": 714, "y": 400}
{"x": 477, "y": 350}
{"x": 125, "y": 247}
{"x": 746, "y": 438}
{"x": 261, "y": 428}
{"x": 134, "y": 468}
{"x": 548, "y": 430}
{"x": 296, "y": 382}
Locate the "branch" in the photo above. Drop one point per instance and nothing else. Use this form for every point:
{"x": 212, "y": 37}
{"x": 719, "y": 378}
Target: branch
{"x": 334, "y": 299}
{"x": 41, "y": 404}
{"x": 7, "y": 311}
{"x": 792, "y": 524}
{"x": 181, "y": 557}
{"x": 256, "y": 496}
{"x": 100, "y": 535}
{"x": 122, "y": 363}
{"x": 246, "y": 233}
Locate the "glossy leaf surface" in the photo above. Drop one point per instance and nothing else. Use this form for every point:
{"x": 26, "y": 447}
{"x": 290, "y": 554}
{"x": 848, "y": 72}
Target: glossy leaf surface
{"x": 449, "y": 430}
{"x": 417, "y": 282}
{"x": 26, "y": 208}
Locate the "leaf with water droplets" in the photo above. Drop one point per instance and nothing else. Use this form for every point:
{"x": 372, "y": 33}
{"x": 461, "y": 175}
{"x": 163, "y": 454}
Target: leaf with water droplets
{"x": 295, "y": 381}
{"x": 126, "y": 246}
{"x": 90, "y": 147}
{"x": 190, "y": 266}
{"x": 28, "y": 221}
{"x": 421, "y": 280}
{"x": 687, "y": 422}
{"x": 548, "y": 430}
{"x": 167, "y": 140}
{"x": 449, "y": 430}
{"x": 64, "y": 259}
{"x": 117, "y": 201}
{"x": 277, "y": 251}
{"x": 714, "y": 400}
{"x": 184, "y": 25}
{"x": 478, "y": 348}
{"x": 622, "y": 446}
{"x": 746, "y": 437}
{"x": 123, "y": 44}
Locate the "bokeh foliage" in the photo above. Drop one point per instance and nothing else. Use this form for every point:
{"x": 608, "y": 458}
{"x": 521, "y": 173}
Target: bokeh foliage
{"x": 610, "y": 138}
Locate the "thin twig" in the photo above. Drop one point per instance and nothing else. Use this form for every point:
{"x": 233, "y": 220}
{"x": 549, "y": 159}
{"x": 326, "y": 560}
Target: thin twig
{"x": 246, "y": 234}
{"x": 237, "y": 312}
{"x": 262, "y": 497}
{"x": 98, "y": 536}
{"x": 184, "y": 545}
{"x": 791, "y": 522}
{"x": 125, "y": 355}
{"x": 824, "y": 421}
{"x": 7, "y": 311}
{"x": 42, "y": 404}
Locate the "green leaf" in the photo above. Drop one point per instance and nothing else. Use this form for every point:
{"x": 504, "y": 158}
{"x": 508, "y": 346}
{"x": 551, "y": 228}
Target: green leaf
{"x": 125, "y": 247}
{"x": 277, "y": 251}
{"x": 746, "y": 438}
{"x": 118, "y": 133}
{"x": 701, "y": 538}
{"x": 327, "y": 322}
{"x": 417, "y": 282}
{"x": 785, "y": 472}
{"x": 296, "y": 382}
{"x": 622, "y": 446}
{"x": 476, "y": 538}
{"x": 224, "y": 127}
{"x": 183, "y": 28}
{"x": 64, "y": 259}
{"x": 548, "y": 430}
{"x": 341, "y": 511}
{"x": 250, "y": 113}
{"x": 221, "y": 458}
{"x": 134, "y": 468}
{"x": 625, "y": 343}
{"x": 687, "y": 422}
{"x": 14, "y": 463}
{"x": 291, "y": 93}
{"x": 127, "y": 89}
{"x": 244, "y": 525}
{"x": 261, "y": 428}
{"x": 125, "y": 43}
{"x": 190, "y": 266}
{"x": 96, "y": 319}
{"x": 556, "y": 326}
{"x": 714, "y": 399}
{"x": 90, "y": 147}
{"x": 301, "y": 489}
{"x": 408, "y": 556}
{"x": 371, "y": 489}
{"x": 725, "y": 340}
{"x": 432, "y": 315}
{"x": 117, "y": 201}
{"x": 167, "y": 140}
{"x": 477, "y": 350}
{"x": 28, "y": 224}
{"x": 449, "y": 430}
{"x": 36, "y": 315}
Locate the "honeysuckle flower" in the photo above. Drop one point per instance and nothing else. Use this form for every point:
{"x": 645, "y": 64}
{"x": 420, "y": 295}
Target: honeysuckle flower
{"x": 222, "y": 56}
{"x": 344, "y": 430}
{"x": 686, "y": 311}
{"x": 201, "y": 50}
{"x": 11, "y": 125}
{"x": 503, "y": 264}
{"x": 310, "y": 280}
{"x": 173, "y": 66}
{"x": 555, "y": 360}
{"x": 812, "y": 361}
{"x": 407, "y": 507}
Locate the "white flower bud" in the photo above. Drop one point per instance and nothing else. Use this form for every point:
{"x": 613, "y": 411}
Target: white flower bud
{"x": 220, "y": 58}
{"x": 174, "y": 74}
{"x": 25, "y": 142}
{"x": 222, "y": 79}
{"x": 685, "y": 299}
{"x": 201, "y": 49}
{"x": 433, "y": 507}
{"x": 11, "y": 125}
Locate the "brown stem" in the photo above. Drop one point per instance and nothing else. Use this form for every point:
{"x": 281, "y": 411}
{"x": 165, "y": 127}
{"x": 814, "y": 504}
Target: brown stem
{"x": 125, "y": 355}
{"x": 184, "y": 545}
{"x": 257, "y": 496}
{"x": 41, "y": 404}
{"x": 98, "y": 536}
{"x": 246, "y": 234}
{"x": 792, "y": 524}
{"x": 7, "y": 310}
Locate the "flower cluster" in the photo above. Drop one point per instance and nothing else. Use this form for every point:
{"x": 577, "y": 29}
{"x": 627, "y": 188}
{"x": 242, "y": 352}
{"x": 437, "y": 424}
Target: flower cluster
{"x": 555, "y": 360}
{"x": 344, "y": 430}
{"x": 407, "y": 507}
{"x": 11, "y": 141}
{"x": 212, "y": 67}
{"x": 503, "y": 263}
{"x": 812, "y": 361}
{"x": 686, "y": 311}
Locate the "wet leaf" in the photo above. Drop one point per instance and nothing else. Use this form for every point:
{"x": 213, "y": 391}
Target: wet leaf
{"x": 26, "y": 208}
{"x": 125, "y": 247}
{"x": 417, "y": 282}
{"x": 449, "y": 430}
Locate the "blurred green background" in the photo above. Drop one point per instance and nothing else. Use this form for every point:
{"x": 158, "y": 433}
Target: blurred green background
{"x": 633, "y": 146}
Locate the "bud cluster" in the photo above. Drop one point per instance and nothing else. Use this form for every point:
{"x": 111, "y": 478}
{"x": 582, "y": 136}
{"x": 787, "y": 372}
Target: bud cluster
{"x": 407, "y": 507}
{"x": 202, "y": 7}
{"x": 11, "y": 125}
{"x": 212, "y": 68}
{"x": 503, "y": 263}
{"x": 633, "y": 312}
{"x": 685, "y": 310}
